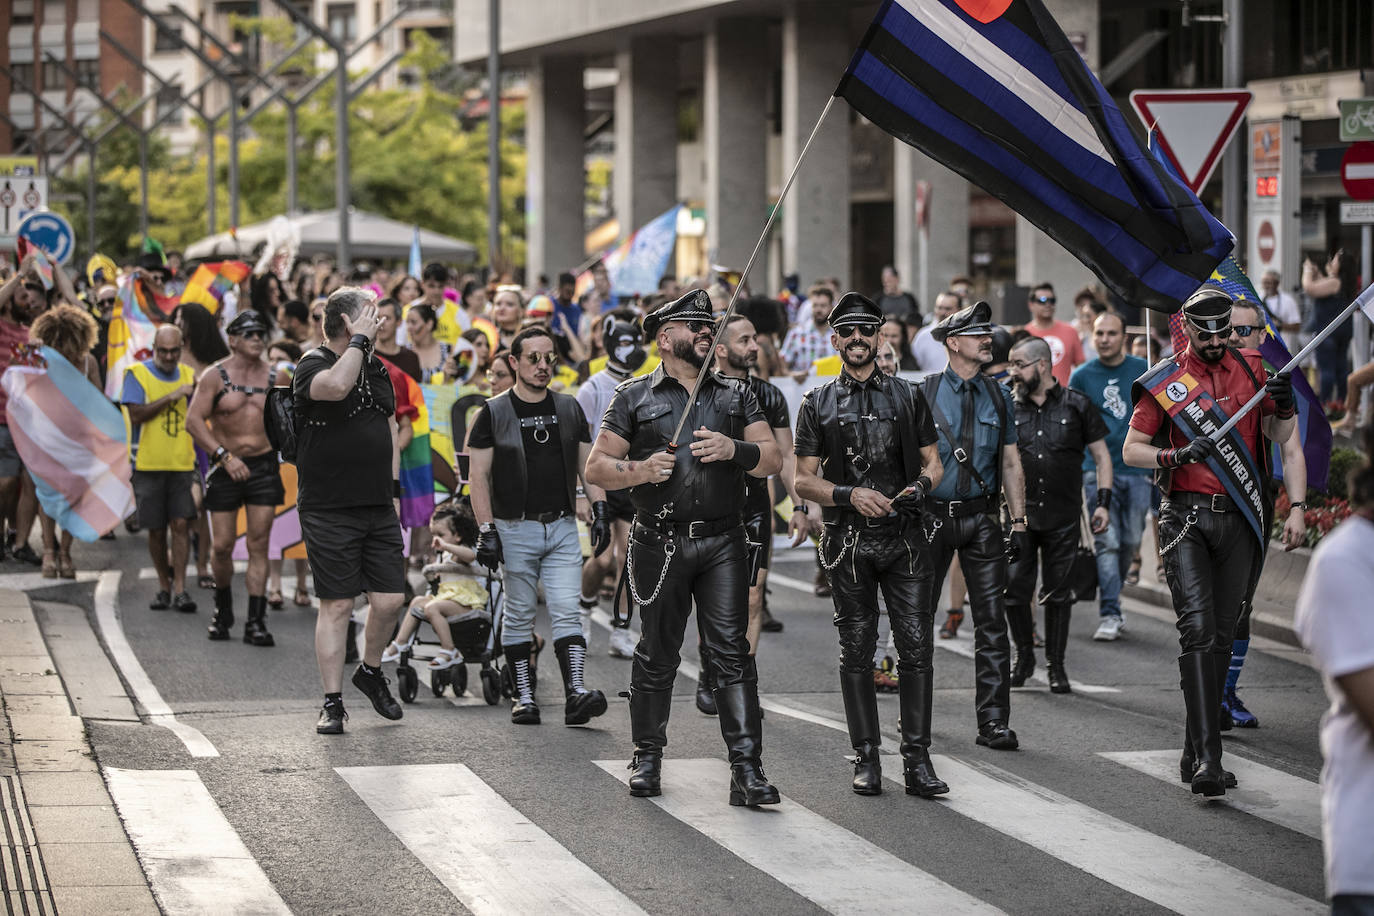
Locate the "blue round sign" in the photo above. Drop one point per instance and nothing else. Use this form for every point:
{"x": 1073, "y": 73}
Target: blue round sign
{"x": 51, "y": 232}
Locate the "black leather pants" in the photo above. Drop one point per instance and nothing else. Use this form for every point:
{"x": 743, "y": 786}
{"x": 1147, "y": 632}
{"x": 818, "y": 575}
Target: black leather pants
{"x": 1208, "y": 572}
{"x": 895, "y": 560}
{"x": 712, "y": 573}
{"x": 1055, "y": 548}
{"x": 982, "y": 556}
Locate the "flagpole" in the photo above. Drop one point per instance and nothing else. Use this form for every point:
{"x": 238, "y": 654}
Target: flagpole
{"x": 744, "y": 275}
{"x": 1361, "y": 301}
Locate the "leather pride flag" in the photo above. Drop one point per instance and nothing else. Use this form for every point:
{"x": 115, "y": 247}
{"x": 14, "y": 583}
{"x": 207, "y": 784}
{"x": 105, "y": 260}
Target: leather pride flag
{"x": 993, "y": 90}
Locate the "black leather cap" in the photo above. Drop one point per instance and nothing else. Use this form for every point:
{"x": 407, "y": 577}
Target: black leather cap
{"x": 245, "y": 321}
{"x": 855, "y": 308}
{"x": 694, "y": 306}
{"x": 1209, "y": 309}
{"x": 974, "y": 321}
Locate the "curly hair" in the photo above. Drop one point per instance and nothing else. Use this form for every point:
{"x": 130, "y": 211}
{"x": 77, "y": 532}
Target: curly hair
{"x": 68, "y": 330}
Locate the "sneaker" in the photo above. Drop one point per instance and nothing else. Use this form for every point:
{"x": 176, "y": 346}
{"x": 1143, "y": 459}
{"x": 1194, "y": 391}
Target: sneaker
{"x": 331, "y": 720}
{"x": 374, "y": 686}
{"x": 161, "y": 601}
{"x": 621, "y": 644}
{"x": 1240, "y": 716}
{"x": 1109, "y": 630}
{"x": 184, "y": 602}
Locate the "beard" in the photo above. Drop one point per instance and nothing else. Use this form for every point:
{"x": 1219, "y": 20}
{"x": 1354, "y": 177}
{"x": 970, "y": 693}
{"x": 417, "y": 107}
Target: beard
{"x": 857, "y": 354}
{"x": 1029, "y": 387}
{"x": 686, "y": 350}
{"x": 741, "y": 363}
{"x": 1211, "y": 352}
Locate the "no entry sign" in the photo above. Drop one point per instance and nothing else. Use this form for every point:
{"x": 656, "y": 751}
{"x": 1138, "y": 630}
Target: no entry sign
{"x": 1357, "y": 171}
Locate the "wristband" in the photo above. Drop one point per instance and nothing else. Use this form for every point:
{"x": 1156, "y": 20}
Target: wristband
{"x": 801, "y": 507}
{"x": 488, "y": 528}
{"x": 841, "y": 496}
{"x": 924, "y": 483}
{"x": 1019, "y": 521}
{"x": 1104, "y": 498}
{"x": 1167, "y": 457}
{"x": 1298, "y": 505}
{"x": 361, "y": 342}
{"x": 395, "y": 489}
{"x": 220, "y": 454}
{"x": 747, "y": 454}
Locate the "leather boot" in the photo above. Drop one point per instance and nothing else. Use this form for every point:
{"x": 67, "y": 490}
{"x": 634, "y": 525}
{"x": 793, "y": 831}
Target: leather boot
{"x": 738, "y": 707}
{"x": 649, "y": 729}
{"x": 1202, "y": 699}
{"x": 1056, "y": 641}
{"x": 706, "y": 685}
{"x": 915, "y": 695}
{"x": 582, "y": 705}
{"x": 224, "y": 613}
{"x": 861, "y": 712}
{"x": 255, "y": 630}
{"x": 1187, "y": 763}
{"x": 523, "y": 709}
{"x": 1022, "y": 627}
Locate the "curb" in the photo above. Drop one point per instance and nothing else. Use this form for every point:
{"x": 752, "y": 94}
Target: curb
{"x": 65, "y": 849}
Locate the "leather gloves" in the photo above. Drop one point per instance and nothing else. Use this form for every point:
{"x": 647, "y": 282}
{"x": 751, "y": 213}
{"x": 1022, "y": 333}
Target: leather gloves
{"x": 1016, "y": 545}
{"x": 1280, "y": 388}
{"x": 910, "y": 504}
{"x": 489, "y": 546}
{"x": 1200, "y": 449}
{"x": 599, "y": 531}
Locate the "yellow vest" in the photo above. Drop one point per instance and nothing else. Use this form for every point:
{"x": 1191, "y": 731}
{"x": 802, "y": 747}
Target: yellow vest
{"x": 163, "y": 442}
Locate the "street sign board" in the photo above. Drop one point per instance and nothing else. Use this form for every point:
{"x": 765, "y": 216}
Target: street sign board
{"x": 1194, "y": 126}
{"x": 1357, "y": 120}
{"x": 1272, "y": 227}
{"x": 1357, "y": 170}
{"x": 1357, "y": 212}
{"x": 18, "y": 166}
{"x": 20, "y": 196}
{"x": 51, "y": 232}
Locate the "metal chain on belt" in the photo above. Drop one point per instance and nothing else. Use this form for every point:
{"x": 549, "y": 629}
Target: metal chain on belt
{"x": 851, "y": 537}
{"x": 669, "y": 549}
{"x": 1188, "y": 522}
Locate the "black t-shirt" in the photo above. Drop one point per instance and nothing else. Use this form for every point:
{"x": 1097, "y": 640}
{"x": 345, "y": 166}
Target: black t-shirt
{"x": 903, "y": 305}
{"x": 405, "y": 360}
{"x": 544, "y": 472}
{"x": 344, "y": 450}
{"x": 774, "y": 405}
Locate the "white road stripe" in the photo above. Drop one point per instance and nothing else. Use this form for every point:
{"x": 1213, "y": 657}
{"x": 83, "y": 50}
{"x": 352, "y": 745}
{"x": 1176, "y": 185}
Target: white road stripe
{"x": 194, "y": 860}
{"x": 28, "y": 581}
{"x": 159, "y": 713}
{"x": 797, "y": 847}
{"x": 493, "y": 858}
{"x": 1275, "y": 796}
{"x": 1135, "y": 860}
{"x": 959, "y": 645}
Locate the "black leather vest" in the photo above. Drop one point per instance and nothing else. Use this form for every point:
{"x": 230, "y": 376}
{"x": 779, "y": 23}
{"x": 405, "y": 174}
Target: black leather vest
{"x": 508, "y": 469}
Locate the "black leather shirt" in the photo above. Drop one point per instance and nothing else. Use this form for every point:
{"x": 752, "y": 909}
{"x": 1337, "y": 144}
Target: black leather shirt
{"x": 774, "y": 406}
{"x": 644, "y": 412}
{"x": 1052, "y": 438}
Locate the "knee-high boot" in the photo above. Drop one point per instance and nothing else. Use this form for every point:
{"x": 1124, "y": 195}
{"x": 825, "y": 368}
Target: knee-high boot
{"x": 1022, "y": 626}
{"x": 1056, "y": 641}
{"x": 915, "y": 694}
{"x": 742, "y": 729}
{"x": 649, "y": 729}
{"x": 1202, "y": 697}
{"x": 581, "y": 704}
{"x": 861, "y": 712}
{"x": 224, "y": 613}
{"x": 706, "y": 685}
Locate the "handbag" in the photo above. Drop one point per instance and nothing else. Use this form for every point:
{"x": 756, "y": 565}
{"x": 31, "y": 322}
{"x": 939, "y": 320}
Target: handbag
{"x": 1083, "y": 573}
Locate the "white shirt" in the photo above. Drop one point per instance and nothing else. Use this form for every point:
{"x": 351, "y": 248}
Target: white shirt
{"x": 1335, "y": 621}
{"x": 1284, "y": 308}
{"x": 595, "y": 396}
{"x": 930, "y": 354}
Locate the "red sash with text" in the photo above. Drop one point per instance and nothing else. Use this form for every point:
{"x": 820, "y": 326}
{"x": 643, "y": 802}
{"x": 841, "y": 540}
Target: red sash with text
{"x": 1194, "y": 411}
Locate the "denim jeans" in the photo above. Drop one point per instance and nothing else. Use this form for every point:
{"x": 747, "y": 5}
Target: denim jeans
{"x": 533, "y": 552}
{"x": 1116, "y": 546}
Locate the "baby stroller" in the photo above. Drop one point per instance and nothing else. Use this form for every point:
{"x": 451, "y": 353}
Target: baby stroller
{"x": 477, "y": 637}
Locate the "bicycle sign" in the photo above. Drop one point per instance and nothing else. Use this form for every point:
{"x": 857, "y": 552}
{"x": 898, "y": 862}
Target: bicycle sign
{"x": 1357, "y": 120}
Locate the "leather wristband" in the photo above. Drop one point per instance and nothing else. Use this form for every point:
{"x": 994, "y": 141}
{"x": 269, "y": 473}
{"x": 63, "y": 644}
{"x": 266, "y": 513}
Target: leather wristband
{"x": 747, "y": 454}
{"x": 1104, "y": 498}
{"x": 841, "y": 496}
{"x": 1168, "y": 458}
{"x": 361, "y": 342}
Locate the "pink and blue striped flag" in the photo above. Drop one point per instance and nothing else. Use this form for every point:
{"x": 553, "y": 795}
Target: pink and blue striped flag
{"x": 72, "y": 441}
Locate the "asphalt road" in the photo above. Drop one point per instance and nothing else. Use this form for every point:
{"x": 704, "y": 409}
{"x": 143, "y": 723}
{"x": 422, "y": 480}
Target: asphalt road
{"x": 454, "y": 808}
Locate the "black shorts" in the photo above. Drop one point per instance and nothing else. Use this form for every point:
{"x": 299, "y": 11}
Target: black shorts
{"x": 354, "y": 550}
{"x": 262, "y": 488}
{"x": 758, "y": 529}
{"x": 618, "y": 501}
{"x": 162, "y": 496}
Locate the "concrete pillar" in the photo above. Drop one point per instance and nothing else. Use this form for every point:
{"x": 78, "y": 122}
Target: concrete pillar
{"x": 554, "y": 179}
{"x": 734, "y": 129}
{"x": 1040, "y": 259}
{"x": 815, "y": 216}
{"x": 927, "y": 260}
{"x": 645, "y": 177}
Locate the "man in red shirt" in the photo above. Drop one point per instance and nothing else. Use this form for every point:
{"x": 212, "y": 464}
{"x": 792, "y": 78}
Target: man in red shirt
{"x": 1213, "y": 518}
{"x": 1066, "y": 350}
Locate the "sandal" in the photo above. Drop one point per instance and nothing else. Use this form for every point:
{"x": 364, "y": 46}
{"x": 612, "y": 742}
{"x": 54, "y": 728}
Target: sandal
{"x": 206, "y": 581}
{"x": 274, "y": 600}
{"x": 393, "y": 650}
{"x": 446, "y": 658}
{"x": 1133, "y": 574}
{"x": 302, "y": 597}
{"x": 66, "y": 569}
{"x": 950, "y": 629}
{"x": 49, "y": 566}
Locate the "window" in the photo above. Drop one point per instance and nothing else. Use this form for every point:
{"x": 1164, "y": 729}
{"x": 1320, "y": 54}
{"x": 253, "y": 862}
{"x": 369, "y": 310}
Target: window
{"x": 23, "y": 78}
{"x": 88, "y": 74}
{"x": 169, "y": 100}
{"x": 54, "y": 77}
{"x": 343, "y": 21}
{"x": 54, "y": 13}
{"x": 165, "y": 39}
{"x": 22, "y": 13}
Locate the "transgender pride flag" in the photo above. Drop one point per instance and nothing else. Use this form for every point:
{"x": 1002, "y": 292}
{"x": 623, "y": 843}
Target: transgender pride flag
{"x": 72, "y": 441}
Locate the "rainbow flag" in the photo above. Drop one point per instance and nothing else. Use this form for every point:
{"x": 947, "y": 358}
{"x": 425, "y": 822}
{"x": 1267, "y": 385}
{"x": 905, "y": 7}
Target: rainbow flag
{"x": 484, "y": 324}
{"x": 72, "y": 441}
{"x": 210, "y": 282}
{"x": 417, "y": 468}
{"x": 130, "y": 338}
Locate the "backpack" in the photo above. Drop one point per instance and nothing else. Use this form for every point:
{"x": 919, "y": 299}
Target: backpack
{"x": 279, "y": 418}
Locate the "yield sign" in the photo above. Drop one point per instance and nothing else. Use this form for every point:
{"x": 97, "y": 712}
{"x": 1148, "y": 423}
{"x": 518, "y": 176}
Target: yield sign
{"x": 1194, "y": 126}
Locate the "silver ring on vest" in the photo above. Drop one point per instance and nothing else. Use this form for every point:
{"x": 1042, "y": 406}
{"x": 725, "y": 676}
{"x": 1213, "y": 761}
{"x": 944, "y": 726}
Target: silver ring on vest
{"x": 545, "y": 431}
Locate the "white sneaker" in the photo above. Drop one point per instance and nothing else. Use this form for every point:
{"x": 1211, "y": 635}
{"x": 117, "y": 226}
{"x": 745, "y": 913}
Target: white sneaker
{"x": 621, "y": 644}
{"x": 1109, "y": 630}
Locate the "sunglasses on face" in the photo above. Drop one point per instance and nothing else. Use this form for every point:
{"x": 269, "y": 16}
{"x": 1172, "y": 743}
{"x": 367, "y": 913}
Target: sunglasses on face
{"x": 1245, "y": 330}
{"x": 696, "y": 327}
{"x": 1044, "y": 300}
{"x": 103, "y": 302}
{"x": 534, "y": 359}
{"x": 254, "y": 335}
{"x": 867, "y": 330}
{"x": 1208, "y": 335}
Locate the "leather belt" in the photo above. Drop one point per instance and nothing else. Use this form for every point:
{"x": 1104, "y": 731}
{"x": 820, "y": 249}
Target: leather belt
{"x": 1216, "y": 502}
{"x": 962, "y": 508}
{"x": 546, "y": 518}
{"x": 855, "y": 520}
{"x": 699, "y": 529}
